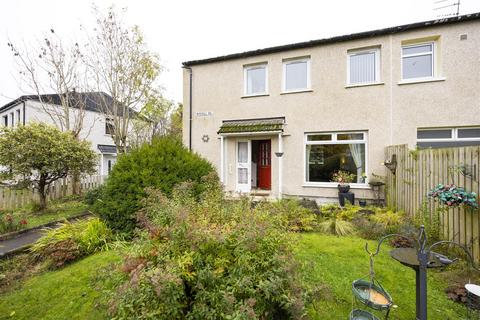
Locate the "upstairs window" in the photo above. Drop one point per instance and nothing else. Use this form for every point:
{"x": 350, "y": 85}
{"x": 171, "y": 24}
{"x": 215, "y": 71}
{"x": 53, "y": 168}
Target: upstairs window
{"x": 448, "y": 137}
{"x": 255, "y": 80}
{"x": 296, "y": 74}
{"x": 109, "y": 126}
{"x": 418, "y": 61}
{"x": 18, "y": 116}
{"x": 363, "y": 66}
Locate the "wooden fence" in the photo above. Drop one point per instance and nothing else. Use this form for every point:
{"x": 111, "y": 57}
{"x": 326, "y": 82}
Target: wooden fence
{"x": 12, "y": 199}
{"x": 418, "y": 171}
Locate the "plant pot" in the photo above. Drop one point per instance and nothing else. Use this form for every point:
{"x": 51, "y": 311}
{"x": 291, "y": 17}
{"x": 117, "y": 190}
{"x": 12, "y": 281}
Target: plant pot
{"x": 343, "y": 188}
{"x": 362, "y": 202}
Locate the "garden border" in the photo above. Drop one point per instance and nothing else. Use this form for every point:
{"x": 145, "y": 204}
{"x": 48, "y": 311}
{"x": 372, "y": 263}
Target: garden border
{"x": 16, "y": 234}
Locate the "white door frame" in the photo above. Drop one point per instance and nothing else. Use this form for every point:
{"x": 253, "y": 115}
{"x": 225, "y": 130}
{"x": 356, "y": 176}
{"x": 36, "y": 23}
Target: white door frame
{"x": 243, "y": 187}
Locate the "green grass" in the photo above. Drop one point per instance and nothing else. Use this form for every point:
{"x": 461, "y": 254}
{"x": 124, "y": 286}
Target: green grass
{"x": 68, "y": 293}
{"x": 56, "y": 210}
{"x": 337, "y": 261}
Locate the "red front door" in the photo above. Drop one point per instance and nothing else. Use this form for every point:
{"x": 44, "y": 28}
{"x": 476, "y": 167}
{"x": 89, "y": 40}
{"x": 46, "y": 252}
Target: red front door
{"x": 265, "y": 165}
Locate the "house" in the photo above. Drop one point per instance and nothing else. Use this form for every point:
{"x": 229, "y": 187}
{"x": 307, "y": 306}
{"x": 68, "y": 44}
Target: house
{"x": 96, "y": 127}
{"x": 280, "y": 121}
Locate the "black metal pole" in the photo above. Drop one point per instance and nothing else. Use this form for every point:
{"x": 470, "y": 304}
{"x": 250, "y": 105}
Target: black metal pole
{"x": 423, "y": 255}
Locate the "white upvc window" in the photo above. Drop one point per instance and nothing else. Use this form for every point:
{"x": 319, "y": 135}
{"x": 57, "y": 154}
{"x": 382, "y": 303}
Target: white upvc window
{"x": 18, "y": 117}
{"x": 418, "y": 61}
{"x": 328, "y": 152}
{"x": 296, "y": 74}
{"x": 448, "y": 137}
{"x": 255, "y": 79}
{"x": 363, "y": 66}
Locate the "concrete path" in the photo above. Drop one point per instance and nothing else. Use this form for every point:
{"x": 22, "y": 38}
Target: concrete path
{"x": 25, "y": 239}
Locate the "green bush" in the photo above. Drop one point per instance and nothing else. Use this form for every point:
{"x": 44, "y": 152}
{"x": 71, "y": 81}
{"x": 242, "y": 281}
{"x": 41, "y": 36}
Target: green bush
{"x": 71, "y": 241}
{"x": 208, "y": 259}
{"x": 162, "y": 164}
{"x": 291, "y": 214}
{"x": 92, "y": 195}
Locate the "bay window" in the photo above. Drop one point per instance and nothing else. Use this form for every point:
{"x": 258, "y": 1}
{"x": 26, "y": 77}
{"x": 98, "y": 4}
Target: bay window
{"x": 327, "y": 153}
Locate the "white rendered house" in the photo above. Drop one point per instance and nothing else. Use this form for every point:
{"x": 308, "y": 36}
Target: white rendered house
{"x": 96, "y": 126}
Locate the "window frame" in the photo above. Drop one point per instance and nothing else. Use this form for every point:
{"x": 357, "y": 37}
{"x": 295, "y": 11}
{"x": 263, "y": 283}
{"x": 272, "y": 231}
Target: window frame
{"x": 454, "y": 136}
{"x": 434, "y": 60}
{"x": 109, "y": 123}
{"x": 245, "y": 79}
{"x": 19, "y": 117}
{"x": 285, "y": 62}
{"x": 376, "y": 51}
{"x": 5, "y": 120}
{"x": 334, "y": 141}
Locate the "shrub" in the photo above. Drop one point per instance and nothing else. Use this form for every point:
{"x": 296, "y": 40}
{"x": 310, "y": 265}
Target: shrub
{"x": 92, "y": 195}
{"x": 162, "y": 164}
{"x": 390, "y": 219}
{"x": 208, "y": 259}
{"x": 290, "y": 214}
{"x": 368, "y": 229}
{"x": 336, "y": 227}
{"x": 71, "y": 241}
{"x": 11, "y": 223}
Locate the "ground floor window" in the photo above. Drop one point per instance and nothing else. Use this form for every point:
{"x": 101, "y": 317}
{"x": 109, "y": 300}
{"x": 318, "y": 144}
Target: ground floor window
{"x": 448, "y": 137}
{"x": 326, "y": 153}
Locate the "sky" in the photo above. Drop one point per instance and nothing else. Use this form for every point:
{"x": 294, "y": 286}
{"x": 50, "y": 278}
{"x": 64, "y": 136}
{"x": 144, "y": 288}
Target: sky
{"x": 182, "y": 30}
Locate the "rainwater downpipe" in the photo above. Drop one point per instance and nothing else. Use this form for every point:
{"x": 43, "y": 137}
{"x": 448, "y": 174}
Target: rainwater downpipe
{"x": 190, "y": 120}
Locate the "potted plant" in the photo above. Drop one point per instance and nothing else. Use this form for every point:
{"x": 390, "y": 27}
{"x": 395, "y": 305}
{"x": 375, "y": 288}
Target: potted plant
{"x": 344, "y": 178}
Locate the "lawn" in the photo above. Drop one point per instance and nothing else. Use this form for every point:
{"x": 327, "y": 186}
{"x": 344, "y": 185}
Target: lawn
{"x": 338, "y": 261}
{"x": 334, "y": 262}
{"x": 56, "y": 210}
{"x": 69, "y": 293}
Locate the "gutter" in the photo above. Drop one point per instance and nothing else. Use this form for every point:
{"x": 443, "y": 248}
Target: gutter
{"x": 190, "y": 120}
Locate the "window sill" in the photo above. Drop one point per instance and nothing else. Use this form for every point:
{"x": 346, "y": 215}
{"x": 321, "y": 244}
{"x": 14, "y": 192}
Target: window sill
{"x": 364, "y": 84}
{"x": 255, "y": 95}
{"x": 334, "y": 185}
{"x": 296, "y": 91}
{"x": 421, "y": 80}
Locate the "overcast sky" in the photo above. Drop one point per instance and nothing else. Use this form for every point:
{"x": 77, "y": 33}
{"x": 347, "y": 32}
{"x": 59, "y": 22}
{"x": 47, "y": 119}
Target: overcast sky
{"x": 181, "y": 30}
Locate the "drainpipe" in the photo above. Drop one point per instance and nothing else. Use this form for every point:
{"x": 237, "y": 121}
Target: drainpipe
{"x": 24, "y": 116}
{"x": 190, "y": 120}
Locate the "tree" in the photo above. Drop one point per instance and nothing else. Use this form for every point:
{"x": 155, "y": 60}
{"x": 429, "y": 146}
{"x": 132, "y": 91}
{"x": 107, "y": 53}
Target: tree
{"x": 54, "y": 65}
{"x": 175, "y": 123}
{"x": 152, "y": 121}
{"x": 38, "y": 155}
{"x": 120, "y": 64}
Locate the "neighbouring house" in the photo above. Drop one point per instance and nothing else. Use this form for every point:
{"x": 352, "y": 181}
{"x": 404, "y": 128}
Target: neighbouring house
{"x": 97, "y": 126}
{"x": 280, "y": 121}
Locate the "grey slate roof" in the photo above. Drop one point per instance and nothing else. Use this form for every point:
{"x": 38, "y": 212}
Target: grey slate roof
{"x": 92, "y": 101}
{"x": 252, "y": 125}
{"x": 348, "y": 37}
{"x": 107, "y": 148}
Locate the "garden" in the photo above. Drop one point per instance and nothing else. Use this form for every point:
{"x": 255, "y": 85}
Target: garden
{"x": 164, "y": 243}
